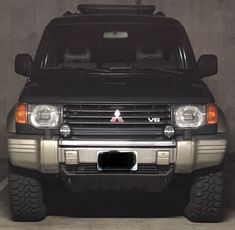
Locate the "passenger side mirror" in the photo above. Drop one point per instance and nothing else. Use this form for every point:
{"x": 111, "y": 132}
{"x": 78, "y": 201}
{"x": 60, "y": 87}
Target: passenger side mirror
{"x": 23, "y": 64}
{"x": 207, "y": 65}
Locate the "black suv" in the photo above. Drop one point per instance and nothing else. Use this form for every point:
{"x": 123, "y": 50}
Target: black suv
{"x": 114, "y": 99}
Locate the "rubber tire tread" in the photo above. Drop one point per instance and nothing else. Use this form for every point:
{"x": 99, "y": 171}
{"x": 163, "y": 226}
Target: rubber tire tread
{"x": 207, "y": 198}
{"x": 26, "y": 198}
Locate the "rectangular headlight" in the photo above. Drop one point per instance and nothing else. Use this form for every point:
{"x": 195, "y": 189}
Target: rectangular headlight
{"x": 44, "y": 116}
{"x": 190, "y": 116}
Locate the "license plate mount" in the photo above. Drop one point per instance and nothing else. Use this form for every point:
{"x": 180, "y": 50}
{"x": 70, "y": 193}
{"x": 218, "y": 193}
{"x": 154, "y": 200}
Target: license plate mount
{"x": 117, "y": 161}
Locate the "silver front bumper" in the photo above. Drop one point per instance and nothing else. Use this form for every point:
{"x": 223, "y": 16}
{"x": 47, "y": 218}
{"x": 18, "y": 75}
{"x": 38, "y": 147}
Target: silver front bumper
{"x": 37, "y": 153}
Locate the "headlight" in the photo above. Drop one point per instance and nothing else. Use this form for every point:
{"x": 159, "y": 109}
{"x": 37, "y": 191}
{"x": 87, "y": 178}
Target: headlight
{"x": 44, "y": 116}
{"x": 190, "y": 116}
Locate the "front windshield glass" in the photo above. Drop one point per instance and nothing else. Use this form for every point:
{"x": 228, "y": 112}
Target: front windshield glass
{"x": 114, "y": 47}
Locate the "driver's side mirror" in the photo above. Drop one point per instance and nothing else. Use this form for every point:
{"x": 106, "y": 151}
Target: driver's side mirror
{"x": 207, "y": 65}
{"x": 23, "y": 64}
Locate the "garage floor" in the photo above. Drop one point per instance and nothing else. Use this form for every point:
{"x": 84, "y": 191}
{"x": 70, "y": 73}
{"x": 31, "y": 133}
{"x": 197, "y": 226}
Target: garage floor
{"x": 117, "y": 210}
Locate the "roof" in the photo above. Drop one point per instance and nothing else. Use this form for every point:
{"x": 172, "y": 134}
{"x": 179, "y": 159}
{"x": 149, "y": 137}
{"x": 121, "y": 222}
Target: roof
{"x": 89, "y": 13}
{"x": 113, "y": 18}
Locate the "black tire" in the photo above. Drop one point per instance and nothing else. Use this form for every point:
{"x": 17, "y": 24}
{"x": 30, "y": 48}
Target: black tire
{"x": 207, "y": 199}
{"x": 26, "y": 198}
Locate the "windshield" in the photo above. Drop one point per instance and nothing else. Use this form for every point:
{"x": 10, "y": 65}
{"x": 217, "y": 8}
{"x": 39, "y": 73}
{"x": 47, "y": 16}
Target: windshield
{"x": 115, "y": 47}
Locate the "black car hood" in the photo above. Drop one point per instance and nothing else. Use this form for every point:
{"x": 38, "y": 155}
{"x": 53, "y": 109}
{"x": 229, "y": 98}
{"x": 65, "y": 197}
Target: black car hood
{"x": 134, "y": 89}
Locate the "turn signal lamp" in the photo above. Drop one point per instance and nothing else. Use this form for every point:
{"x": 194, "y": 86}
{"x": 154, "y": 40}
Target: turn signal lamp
{"x": 211, "y": 114}
{"x": 21, "y": 113}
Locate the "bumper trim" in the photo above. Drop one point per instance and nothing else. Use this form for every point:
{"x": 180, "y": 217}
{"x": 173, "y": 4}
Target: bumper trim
{"x": 148, "y": 144}
{"x": 35, "y": 152}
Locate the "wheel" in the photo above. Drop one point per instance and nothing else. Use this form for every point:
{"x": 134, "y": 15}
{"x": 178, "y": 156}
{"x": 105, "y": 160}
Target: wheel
{"x": 207, "y": 199}
{"x": 26, "y": 198}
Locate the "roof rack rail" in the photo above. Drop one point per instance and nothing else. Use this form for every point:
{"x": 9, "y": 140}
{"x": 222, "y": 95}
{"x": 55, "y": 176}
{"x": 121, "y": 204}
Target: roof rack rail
{"x": 116, "y": 9}
{"x": 159, "y": 13}
{"x": 68, "y": 13}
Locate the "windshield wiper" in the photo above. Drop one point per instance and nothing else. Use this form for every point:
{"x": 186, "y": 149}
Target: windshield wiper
{"x": 162, "y": 70}
{"x": 80, "y": 67}
{"x": 144, "y": 68}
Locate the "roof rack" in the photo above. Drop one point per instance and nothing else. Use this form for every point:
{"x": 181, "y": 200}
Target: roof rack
{"x": 116, "y": 9}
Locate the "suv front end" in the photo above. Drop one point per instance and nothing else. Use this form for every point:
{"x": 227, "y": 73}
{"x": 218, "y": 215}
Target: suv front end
{"x": 113, "y": 102}
{"x": 72, "y": 135}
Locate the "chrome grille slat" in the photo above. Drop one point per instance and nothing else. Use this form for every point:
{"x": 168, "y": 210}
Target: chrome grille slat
{"x": 163, "y": 116}
{"x": 109, "y": 123}
{"x": 111, "y": 110}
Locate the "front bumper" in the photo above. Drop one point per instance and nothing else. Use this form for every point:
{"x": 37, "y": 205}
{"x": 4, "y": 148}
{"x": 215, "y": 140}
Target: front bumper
{"x": 37, "y": 153}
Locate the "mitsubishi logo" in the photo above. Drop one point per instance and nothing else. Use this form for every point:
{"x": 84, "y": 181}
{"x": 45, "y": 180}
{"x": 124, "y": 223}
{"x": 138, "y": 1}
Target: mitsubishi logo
{"x": 117, "y": 117}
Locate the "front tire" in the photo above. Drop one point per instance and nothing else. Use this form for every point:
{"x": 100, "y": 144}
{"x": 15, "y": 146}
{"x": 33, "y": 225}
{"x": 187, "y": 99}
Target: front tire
{"x": 207, "y": 198}
{"x": 26, "y": 198}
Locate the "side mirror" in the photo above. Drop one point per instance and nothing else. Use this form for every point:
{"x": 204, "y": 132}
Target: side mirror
{"x": 207, "y": 65}
{"x": 23, "y": 64}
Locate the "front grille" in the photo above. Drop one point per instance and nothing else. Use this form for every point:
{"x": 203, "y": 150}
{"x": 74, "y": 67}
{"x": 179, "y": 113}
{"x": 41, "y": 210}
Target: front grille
{"x": 95, "y": 119}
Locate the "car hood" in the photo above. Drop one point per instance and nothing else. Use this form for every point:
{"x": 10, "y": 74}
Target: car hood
{"x": 132, "y": 89}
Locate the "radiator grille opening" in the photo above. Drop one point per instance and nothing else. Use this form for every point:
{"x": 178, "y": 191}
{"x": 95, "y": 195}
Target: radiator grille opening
{"x": 101, "y": 119}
